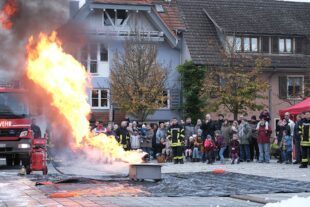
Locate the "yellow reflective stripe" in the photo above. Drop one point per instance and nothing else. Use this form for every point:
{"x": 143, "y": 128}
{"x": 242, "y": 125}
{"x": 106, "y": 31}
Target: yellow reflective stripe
{"x": 305, "y": 160}
{"x": 305, "y": 144}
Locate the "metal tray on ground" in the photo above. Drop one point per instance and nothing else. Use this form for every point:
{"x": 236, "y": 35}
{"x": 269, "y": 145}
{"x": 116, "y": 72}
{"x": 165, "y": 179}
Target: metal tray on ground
{"x": 145, "y": 172}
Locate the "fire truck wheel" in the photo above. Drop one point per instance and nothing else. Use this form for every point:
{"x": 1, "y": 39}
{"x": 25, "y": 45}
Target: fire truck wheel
{"x": 45, "y": 171}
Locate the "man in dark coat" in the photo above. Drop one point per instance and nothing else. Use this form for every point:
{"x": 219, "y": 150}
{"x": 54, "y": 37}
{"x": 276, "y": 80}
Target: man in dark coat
{"x": 304, "y": 131}
{"x": 297, "y": 138}
{"x": 35, "y": 129}
{"x": 208, "y": 127}
{"x": 123, "y": 136}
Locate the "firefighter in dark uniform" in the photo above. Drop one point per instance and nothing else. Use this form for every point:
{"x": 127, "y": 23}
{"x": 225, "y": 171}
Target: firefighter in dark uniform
{"x": 176, "y": 135}
{"x": 304, "y": 131}
{"x": 123, "y": 136}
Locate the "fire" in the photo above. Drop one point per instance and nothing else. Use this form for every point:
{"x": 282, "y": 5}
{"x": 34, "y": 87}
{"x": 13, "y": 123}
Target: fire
{"x": 9, "y": 9}
{"x": 66, "y": 81}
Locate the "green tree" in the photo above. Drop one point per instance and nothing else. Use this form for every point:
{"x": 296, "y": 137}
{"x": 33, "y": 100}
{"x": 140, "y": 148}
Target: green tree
{"x": 237, "y": 87}
{"x": 192, "y": 77}
{"x": 137, "y": 80}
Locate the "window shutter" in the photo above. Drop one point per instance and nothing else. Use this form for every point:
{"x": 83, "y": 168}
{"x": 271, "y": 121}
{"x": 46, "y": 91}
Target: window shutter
{"x": 275, "y": 45}
{"x": 298, "y": 45}
{"x": 306, "y": 46}
{"x": 265, "y": 44}
{"x": 175, "y": 98}
{"x": 282, "y": 87}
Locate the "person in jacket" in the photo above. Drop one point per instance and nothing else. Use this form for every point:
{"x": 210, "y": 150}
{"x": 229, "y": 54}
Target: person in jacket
{"x": 286, "y": 147}
{"x": 227, "y": 134}
{"x": 263, "y": 140}
{"x": 208, "y": 128}
{"x": 135, "y": 140}
{"x": 290, "y": 123}
{"x": 146, "y": 139}
{"x": 196, "y": 149}
{"x": 221, "y": 145}
{"x": 35, "y": 129}
{"x": 304, "y": 131}
{"x": 254, "y": 152}
{"x": 234, "y": 149}
{"x": 297, "y": 138}
{"x": 244, "y": 133}
{"x": 189, "y": 130}
{"x": 161, "y": 134}
{"x": 176, "y": 135}
{"x": 220, "y": 122}
{"x": 282, "y": 126}
{"x": 122, "y": 136}
{"x": 209, "y": 146}
{"x": 198, "y": 125}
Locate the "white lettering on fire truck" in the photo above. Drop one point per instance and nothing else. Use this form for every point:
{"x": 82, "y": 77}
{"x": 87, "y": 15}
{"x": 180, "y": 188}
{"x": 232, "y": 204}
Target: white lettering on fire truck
{"x": 5, "y": 123}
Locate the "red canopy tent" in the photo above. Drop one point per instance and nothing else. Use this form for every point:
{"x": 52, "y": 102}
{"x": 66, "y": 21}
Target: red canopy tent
{"x": 297, "y": 108}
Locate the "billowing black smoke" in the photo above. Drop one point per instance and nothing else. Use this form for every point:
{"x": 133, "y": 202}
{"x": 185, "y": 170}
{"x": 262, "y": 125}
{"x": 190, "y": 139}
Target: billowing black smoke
{"x": 32, "y": 17}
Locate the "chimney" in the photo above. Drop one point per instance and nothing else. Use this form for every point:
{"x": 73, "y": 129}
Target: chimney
{"x": 74, "y": 7}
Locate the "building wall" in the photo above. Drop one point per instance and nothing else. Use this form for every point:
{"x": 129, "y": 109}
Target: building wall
{"x": 274, "y": 103}
{"x": 168, "y": 57}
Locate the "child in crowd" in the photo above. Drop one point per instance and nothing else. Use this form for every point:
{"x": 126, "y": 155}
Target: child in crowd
{"x": 167, "y": 150}
{"x": 135, "y": 140}
{"x": 209, "y": 149}
{"x": 286, "y": 148}
{"x": 234, "y": 144}
{"x": 196, "y": 148}
{"x": 189, "y": 150}
{"x": 220, "y": 145}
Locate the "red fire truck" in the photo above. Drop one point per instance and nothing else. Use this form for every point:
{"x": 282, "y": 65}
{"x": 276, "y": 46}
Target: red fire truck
{"x": 15, "y": 133}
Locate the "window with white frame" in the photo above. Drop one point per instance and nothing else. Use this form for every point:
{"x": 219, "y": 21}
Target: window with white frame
{"x": 250, "y": 44}
{"x": 100, "y": 98}
{"x": 242, "y": 44}
{"x": 285, "y": 45}
{"x": 91, "y": 55}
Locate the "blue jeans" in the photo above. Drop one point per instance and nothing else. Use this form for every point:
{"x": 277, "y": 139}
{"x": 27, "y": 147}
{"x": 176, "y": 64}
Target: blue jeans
{"x": 244, "y": 152}
{"x": 221, "y": 153}
{"x": 264, "y": 152}
{"x": 196, "y": 153}
{"x": 287, "y": 156}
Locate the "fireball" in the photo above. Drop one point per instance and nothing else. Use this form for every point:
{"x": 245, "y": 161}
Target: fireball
{"x": 66, "y": 82}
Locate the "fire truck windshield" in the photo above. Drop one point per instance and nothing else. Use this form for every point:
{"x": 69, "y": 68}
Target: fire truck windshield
{"x": 12, "y": 105}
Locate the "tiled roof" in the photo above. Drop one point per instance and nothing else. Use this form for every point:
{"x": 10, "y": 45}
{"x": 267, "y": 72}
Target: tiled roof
{"x": 171, "y": 15}
{"x": 201, "y": 33}
{"x": 260, "y": 16}
{"x": 134, "y": 2}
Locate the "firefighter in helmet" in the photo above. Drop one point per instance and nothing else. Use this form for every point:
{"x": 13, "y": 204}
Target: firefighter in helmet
{"x": 176, "y": 135}
{"x": 304, "y": 131}
{"x": 123, "y": 136}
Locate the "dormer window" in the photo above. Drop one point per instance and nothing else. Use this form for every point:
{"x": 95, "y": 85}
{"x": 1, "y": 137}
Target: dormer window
{"x": 250, "y": 44}
{"x": 285, "y": 45}
{"x": 242, "y": 44}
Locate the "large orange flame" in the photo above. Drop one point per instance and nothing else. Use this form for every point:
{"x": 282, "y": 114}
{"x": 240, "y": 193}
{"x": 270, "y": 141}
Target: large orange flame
{"x": 66, "y": 81}
{"x": 9, "y": 9}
